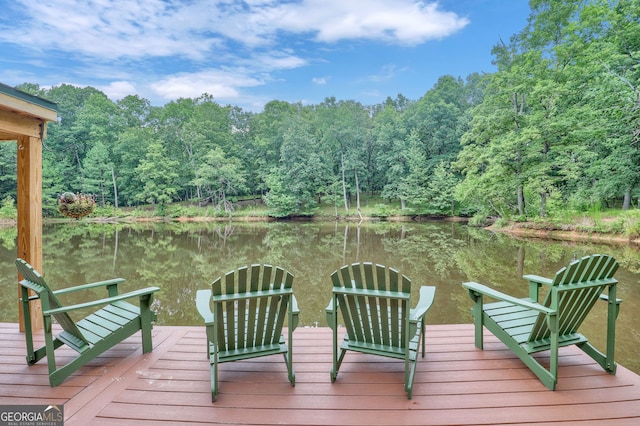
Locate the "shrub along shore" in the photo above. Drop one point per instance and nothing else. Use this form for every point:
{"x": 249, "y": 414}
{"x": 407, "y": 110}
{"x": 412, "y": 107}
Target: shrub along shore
{"x": 612, "y": 226}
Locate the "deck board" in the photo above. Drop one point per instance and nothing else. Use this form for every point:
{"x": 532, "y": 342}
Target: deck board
{"x": 455, "y": 384}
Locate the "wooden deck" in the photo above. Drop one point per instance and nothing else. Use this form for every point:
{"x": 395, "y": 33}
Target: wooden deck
{"x": 455, "y": 384}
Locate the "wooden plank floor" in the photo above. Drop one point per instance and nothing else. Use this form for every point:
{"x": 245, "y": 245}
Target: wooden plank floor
{"x": 455, "y": 384}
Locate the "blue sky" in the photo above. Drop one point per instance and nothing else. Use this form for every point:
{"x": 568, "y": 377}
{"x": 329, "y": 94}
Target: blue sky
{"x": 247, "y": 53}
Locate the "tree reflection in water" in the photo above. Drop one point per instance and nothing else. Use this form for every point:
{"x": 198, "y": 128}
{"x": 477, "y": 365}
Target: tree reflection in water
{"x": 181, "y": 258}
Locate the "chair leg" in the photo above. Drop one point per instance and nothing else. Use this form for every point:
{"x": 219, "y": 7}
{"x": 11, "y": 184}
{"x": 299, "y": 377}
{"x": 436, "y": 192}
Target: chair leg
{"x": 292, "y": 374}
{"x": 337, "y": 362}
{"x": 28, "y": 333}
{"x": 50, "y": 350}
{"x": 146, "y": 319}
{"x": 337, "y": 359}
{"x": 409, "y": 379}
{"x": 214, "y": 381}
{"x": 147, "y": 339}
{"x": 547, "y": 377}
{"x": 605, "y": 361}
{"x": 423, "y": 338}
{"x": 289, "y": 355}
{"x": 478, "y": 316}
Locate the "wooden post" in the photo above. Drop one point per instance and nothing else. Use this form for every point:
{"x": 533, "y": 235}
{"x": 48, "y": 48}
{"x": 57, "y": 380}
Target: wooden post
{"x": 23, "y": 118}
{"x": 30, "y": 213}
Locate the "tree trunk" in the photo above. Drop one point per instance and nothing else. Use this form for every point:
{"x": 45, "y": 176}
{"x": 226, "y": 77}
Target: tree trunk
{"x": 80, "y": 169}
{"x": 102, "y": 189}
{"x": 543, "y": 204}
{"x": 520, "y": 200}
{"x": 358, "y": 195}
{"x": 344, "y": 243}
{"x": 335, "y": 199}
{"x": 520, "y": 261}
{"x": 344, "y": 186}
{"x": 626, "y": 203}
{"x": 358, "y": 243}
{"x": 115, "y": 188}
{"x": 115, "y": 250}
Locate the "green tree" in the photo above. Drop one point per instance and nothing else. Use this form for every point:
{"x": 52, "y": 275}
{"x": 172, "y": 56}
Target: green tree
{"x": 350, "y": 143}
{"x": 158, "y": 172}
{"x": 441, "y": 189}
{"x": 521, "y": 139}
{"x": 280, "y": 200}
{"x": 302, "y": 173}
{"x": 169, "y": 126}
{"x": 614, "y": 35}
{"x": 98, "y": 172}
{"x": 129, "y": 150}
{"x": 392, "y": 161}
{"x": 440, "y": 120}
{"x": 266, "y": 135}
{"x": 8, "y": 169}
{"x": 208, "y": 126}
{"x": 220, "y": 176}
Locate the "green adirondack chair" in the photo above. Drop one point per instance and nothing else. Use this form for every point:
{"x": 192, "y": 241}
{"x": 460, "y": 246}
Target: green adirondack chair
{"x": 527, "y": 326}
{"x": 375, "y": 304}
{"x": 244, "y": 314}
{"x": 90, "y": 336}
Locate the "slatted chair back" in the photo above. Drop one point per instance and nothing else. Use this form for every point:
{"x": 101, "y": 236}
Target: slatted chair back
{"x": 35, "y": 282}
{"x": 250, "y": 305}
{"x": 574, "y": 291}
{"x": 374, "y": 303}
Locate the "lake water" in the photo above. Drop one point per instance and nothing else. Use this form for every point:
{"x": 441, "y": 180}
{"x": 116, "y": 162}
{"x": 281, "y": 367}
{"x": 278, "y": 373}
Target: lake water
{"x": 181, "y": 258}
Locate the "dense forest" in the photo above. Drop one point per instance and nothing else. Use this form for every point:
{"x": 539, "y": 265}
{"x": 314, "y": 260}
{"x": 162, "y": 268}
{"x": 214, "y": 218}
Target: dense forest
{"x": 557, "y": 126}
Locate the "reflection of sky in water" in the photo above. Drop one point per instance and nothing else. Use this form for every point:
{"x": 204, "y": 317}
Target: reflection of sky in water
{"x": 182, "y": 258}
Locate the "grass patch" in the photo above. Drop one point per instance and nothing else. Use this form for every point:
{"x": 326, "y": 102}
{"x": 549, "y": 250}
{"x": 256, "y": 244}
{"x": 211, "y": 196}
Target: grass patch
{"x": 613, "y": 221}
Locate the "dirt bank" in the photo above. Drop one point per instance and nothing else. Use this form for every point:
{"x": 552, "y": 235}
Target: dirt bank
{"x": 521, "y": 230}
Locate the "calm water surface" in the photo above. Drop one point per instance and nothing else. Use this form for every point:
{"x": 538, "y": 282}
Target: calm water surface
{"x": 182, "y": 258}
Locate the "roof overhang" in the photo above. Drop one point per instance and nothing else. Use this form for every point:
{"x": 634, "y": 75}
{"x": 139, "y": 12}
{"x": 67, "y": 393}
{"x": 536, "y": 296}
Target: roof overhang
{"x": 22, "y": 114}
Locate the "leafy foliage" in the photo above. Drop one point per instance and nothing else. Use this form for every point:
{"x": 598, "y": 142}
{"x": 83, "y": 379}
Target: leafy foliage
{"x": 557, "y": 125}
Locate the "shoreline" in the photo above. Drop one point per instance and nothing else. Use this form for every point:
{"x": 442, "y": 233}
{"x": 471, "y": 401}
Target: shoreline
{"x": 204, "y": 219}
{"x": 560, "y": 235}
{"x": 518, "y": 230}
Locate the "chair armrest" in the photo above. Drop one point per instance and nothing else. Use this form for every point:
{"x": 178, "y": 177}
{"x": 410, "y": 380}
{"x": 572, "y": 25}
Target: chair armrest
{"x": 606, "y": 298}
{"x": 107, "y": 300}
{"x": 203, "y": 303}
{"x": 330, "y": 306}
{"x": 295, "y": 311}
{"x": 535, "y": 281}
{"x": 476, "y": 290}
{"x": 89, "y": 286}
{"x": 330, "y": 312}
{"x": 427, "y": 294}
{"x": 538, "y": 279}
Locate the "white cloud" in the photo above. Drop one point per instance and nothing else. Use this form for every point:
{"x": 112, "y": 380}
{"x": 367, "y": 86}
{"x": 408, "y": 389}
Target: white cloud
{"x": 110, "y": 29}
{"x": 219, "y": 84}
{"x": 273, "y": 60}
{"x": 114, "y": 29}
{"x": 400, "y": 21}
{"x": 226, "y": 82}
{"x": 176, "y": 48}
{"x": 386, "y": 73}
{"x": 118, "y": 89}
